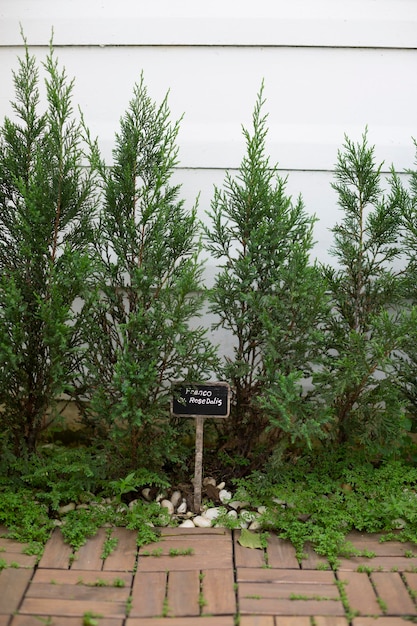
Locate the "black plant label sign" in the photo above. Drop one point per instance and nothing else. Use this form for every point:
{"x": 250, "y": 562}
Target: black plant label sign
{"x": 206, "y": 400}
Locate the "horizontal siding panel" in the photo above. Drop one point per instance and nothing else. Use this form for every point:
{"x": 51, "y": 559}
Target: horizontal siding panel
{"x": 340, "y": 23}
{"x": 313, "y": 97}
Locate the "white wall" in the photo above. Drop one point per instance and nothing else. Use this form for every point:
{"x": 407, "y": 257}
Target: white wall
{"x": 330, "y": 67}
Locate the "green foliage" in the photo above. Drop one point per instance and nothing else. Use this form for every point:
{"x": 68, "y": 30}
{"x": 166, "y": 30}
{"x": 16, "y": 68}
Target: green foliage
{"x": 58, "y": 475}
{"x": 269, "y": 297}
{"x": 145, "y": 518}
{"x": 134, "y": 480}
{"x": 46, "y": 204}
{"x": 25, "y": 519}
{"x": 366, "y": 326}
{"x": 141, "y": 334}
{"x": 407, "y": 361}
{"x": 324, "y": 497}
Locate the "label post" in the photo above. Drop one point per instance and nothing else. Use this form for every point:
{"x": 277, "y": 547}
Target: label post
{"x": 200, "y": 401}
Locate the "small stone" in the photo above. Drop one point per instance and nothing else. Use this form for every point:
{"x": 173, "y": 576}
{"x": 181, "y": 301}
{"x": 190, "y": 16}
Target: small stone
{"x": 167, "y": 504}
{"x": 147, "y": 494}
{"x": 221, "y": 485}
{"x": 82, "y": 506}
{"x": 160, "y": 497}
{"x": 225, "y": 496}
{"x": 182, "y": 509}
{"x": 232, "y": 514}
{"x": 255, "y": 525}
{"x": 66, "y": 508}
{"x": 212, "y": 513}
{"x": 175, "y": 498}
{"x": 132, "y": 504}
{"x": 399, "y": 523}
{"x": 248, "y": 516}
{"x": 237, "y": 504}
{"x": 58, "y": 523}
{"x": 262, "y": 509}
{"x": 212, "y": 493}
{"x": 201, "y": 521}
{"x": 188, "y": 523}
{"x": 209, "y": 481}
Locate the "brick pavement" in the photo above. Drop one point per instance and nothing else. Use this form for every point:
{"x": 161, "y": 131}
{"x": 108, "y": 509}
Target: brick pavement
{"x": 204, "y": 576}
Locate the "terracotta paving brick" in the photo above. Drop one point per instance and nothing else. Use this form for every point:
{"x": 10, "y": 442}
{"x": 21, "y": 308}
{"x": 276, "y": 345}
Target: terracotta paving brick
{"x": 311, "y": 559}
{"x": 380, "y": 563}
{"x": 380, "y": 621}
{"x": 218, "y": 592}
{"x": 29, "y": 620}
{"x": 219, "y": 620}
{"x": 183, "y": 593}
{"x": 77, "y": 592}
{"x": 393, "y": 592}
{"x": 265, "y": 620}
{"x": 73, "y": 577}
{"x": 276, "y": 606}
{"x": 373, "y": 543}
{"x": 148, "y": 594}
{"x": 10, "y": 545}
{"x": 411, "y": 580}
{"x": 11, "y": 552}
{"x": 324, "y": 620}
{"x": 123, "y": 558}
{"x": 281, "y": 553}
{"x": 13, "y": 584}
{"x": 57, "y": 554}
{"x": 289, "y": 576}
{"x": 247, "y": 557}
{"x": 360, "y": 593}
{"x": 68, "y": 608}
{"x": 213, "y": 552}
{"x": 288, "y": 592}
{"x": 88, "y": 556}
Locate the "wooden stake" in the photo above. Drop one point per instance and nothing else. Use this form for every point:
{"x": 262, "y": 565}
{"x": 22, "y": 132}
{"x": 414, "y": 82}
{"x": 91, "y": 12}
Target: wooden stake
{"x": 198, "y": 472}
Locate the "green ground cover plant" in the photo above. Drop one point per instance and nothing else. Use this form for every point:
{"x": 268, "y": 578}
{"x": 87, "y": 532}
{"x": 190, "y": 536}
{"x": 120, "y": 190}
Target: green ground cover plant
{"x": 323, "y": 497}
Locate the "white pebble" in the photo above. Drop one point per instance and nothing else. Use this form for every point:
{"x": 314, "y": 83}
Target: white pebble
{"x": 188, "y": 523}
{"x": 167, "y": 504}
{"x": 221, "y": 486}
{"x": 146, "y": 494}
{"x": 237, "y": 504}
{"x": 176, "y": 498}
{"x": 182, "y": 507}
{"x": 201, "y": 522}
{"x": 255, "y": 525}
{"x": 66, "y": 508}
{"x": 224, "y": 496}
{"x": 262, "y": 509}
{"x": 212, "y": 513}
{"x": 232, "y": 514}
{"x": 248, "y": 516}
{"x": 399, "y": 523}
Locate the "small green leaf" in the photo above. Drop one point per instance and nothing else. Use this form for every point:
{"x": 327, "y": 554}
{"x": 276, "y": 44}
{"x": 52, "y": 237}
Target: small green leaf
{"x": 249, "y": 539}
